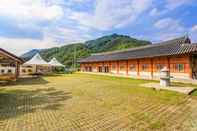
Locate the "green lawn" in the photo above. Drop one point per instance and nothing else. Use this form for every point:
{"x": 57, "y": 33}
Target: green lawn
{"x": 92, "y": 102}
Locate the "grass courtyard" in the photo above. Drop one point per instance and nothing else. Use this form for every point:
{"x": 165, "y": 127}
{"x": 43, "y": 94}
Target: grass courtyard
{"x": 82, "y": 102}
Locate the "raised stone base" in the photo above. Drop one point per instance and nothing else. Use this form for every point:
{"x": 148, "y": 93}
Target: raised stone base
{"x": 184, "y": 90}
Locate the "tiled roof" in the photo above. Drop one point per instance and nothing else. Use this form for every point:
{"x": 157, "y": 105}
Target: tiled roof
{"x": 172, "y": 47}
{"x": 11, "y": 55}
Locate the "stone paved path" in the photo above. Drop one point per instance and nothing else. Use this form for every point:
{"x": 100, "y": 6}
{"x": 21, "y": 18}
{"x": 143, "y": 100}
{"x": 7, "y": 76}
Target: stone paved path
{"x": 184, "y": 90}
{"x": 66, "y": 107}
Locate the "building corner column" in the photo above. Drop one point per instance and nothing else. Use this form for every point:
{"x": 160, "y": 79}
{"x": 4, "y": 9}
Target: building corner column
{"x": 168, "y": 58}
{"x": 151, "y": 68}
{"x": 127, "y": 68}
{"x": 110, "y": 66}
{"x": 117, "y": 67}
{"x": 17, "y": 70}
{"x": 103, "y": 67}
{"x": 190, "y": 67}
{"x": 138, "y": 68}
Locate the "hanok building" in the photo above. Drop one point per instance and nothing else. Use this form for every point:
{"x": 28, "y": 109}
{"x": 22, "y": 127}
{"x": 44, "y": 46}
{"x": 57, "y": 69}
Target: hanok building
{"x": 179, "y": 55}
{"x": 9, "y": 66}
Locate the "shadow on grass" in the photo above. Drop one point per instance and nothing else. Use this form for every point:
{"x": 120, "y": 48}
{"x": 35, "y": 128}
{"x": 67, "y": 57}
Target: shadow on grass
{"x": 53, "y": 75}
{"x": 14, "y": 103}
{"x": 28, "y": 81}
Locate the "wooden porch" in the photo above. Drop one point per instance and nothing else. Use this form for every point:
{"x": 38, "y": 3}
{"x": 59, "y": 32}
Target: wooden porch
{"x": 9, "y": 66}
{"x": 194, "y": 66}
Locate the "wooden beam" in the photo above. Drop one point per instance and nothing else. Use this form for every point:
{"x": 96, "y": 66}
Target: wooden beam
{"x": 168, "y": 63}
{"x": 103, "y": 67}
{"x": 117, "y": 67}
{"x": 138, "y": 67}
{"x": 109, "y": 66}
{"x": 190, "y": 66}
{"x": 16, "y": 70}
{"x": 127, "y": 67}
{"x": 151, "y": 68}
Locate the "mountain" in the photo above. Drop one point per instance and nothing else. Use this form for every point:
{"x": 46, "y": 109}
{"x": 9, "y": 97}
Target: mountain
{"x": 30, "y": 54}
{"x": 114, "y": 42}
{"x": 65, "y": 54}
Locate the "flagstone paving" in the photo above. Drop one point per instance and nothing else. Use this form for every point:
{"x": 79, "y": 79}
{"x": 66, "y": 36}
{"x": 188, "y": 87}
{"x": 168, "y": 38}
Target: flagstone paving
{"x": 80, "y": 102}
{"x": 179, "y": 89}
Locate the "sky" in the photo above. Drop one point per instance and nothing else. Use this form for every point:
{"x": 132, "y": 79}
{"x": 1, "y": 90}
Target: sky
{"x": 30, "y": 24}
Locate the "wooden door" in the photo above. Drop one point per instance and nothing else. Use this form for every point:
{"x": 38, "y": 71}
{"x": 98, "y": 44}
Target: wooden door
{"x": 194, "y": 66}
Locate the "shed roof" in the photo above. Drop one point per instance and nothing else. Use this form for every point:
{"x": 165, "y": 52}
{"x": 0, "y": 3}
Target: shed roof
{"x": 55, "y": 62}
{"x": 177, "y": 46}
{"x": 10, "y": 55}
{"x": 36, "y": 60}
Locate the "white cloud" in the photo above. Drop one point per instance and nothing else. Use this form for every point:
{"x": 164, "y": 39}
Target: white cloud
{"x": 168, "y": 28}
{"x": 112, "y": 14}
{"x": 79, "y": 1}
{"x": 172, "y": 4}
{"x": 193, "y": 33}
{"x": 169, "y": 24}
{"x": 19, "y": 45}
{"x": 30, "y": 9}
{"x": 68, "y": 35}
{"x": 25, "y": 14}
{"x": 163, "y": 36}
{"x": 157, "y": 12}
{"x": 194, "y": 28}
{"x": 52, "y": 38}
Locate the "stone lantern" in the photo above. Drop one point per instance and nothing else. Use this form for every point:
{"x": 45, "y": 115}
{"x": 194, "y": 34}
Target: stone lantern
{"x": 165, "y": 77}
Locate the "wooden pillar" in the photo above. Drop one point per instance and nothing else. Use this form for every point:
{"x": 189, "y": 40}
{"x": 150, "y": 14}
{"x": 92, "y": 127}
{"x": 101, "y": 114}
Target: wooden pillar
{"x": 138, "y": 67}
{"x": 80, "y": 68}
{"x": 36, "y": 68}
{"x": 103, "y": 67}
{"x": 109, "y": 66}
{"x": 117, "y": 67}
{"x": 190, "y": 67}
{"x": 151, "y": 69}
{"x": 127, "y": 67}
{"x": 169, "y": 63}
{"x": 16, "y": 70}
{"x": 96, "y": 66}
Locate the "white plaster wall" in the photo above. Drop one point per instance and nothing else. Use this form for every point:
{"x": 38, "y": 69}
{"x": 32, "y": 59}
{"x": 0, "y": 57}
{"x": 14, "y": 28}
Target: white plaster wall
{"x": 94, "y": 70}
{"x": 6, "y": 70}
{"x": 156, "y": 75}
{"x": 145, "y": 74}
{"x": 180, "y": 75}
{"x": 132, "y": 73}
{"x": 113, "y": 71}
{"x": 122, "y": 72}
{"x": 33, "y": 68}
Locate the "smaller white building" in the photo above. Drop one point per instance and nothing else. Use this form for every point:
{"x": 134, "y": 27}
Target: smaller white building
{"x": 35, "y": 65}
{"x": 55, "y": 63}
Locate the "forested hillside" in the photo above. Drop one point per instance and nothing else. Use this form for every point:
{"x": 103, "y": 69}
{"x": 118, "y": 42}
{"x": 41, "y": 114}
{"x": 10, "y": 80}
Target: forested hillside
{"x": 65, "y": 54}
{"x": 114, "y": 42}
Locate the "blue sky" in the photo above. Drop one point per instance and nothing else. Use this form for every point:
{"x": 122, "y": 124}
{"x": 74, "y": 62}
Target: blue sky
{"x": 28, "y": 24}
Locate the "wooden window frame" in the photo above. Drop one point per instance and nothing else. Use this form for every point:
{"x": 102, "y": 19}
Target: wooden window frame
{"x": 113, "y": 67}
{"x": 23, "y": 71}
{"x": 177, "y": 68}
{"x": 159, "y": 67}
{"x": 145, "y": 67}
{"x": 2, "y": 71}
{"x": 100, "y": 69}
{"x": 122, "y": 67}
{"x": 132, "y": 67}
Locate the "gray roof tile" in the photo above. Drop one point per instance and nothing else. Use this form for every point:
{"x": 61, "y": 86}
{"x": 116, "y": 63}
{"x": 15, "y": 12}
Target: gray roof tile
{"x": 172, "y": 47}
